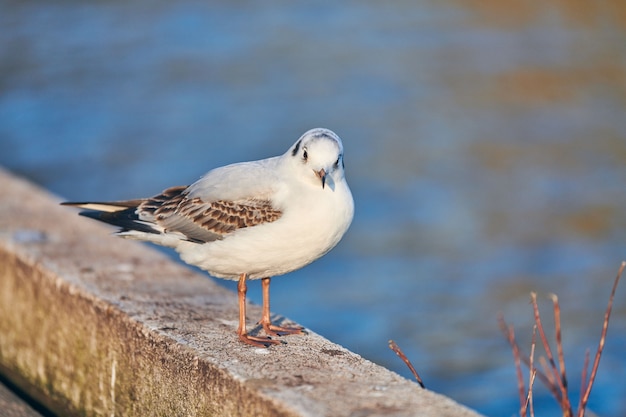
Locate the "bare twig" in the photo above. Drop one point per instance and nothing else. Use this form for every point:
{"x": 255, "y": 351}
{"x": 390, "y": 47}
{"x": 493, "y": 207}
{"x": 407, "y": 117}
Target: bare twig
{"x": 564, "y": 400}
{"x": 559, "y": 340}
{"x": 545, "y": 377}
{"x": 605, "y": 325}
{"x": 533, "y": 372}
{"x": 393, "y": 346}
{"x": 583, "y": 376}
{"x": 531, "y": 361}
{"x": 555, "y": 378}
{"x": 509, "y": 333}
{"x": 548, "y": 379}
{"x": 531, "y": 382}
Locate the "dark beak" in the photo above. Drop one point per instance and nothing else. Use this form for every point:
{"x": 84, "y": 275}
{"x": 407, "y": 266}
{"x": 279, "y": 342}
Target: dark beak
{"x": 322, "y": 176}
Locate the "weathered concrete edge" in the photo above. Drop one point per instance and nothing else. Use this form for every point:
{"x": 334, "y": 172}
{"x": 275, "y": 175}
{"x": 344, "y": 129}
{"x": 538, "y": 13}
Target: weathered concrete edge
{"x": 12, "y": 405}
{"x": 102, "y": 326}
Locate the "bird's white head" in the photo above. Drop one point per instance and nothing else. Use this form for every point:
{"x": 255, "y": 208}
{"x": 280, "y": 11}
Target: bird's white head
{"x": 318, "y": 156}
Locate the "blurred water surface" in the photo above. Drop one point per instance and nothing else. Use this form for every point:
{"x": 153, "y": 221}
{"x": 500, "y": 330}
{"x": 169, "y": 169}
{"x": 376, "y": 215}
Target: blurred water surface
{"x": 485, "y": 146}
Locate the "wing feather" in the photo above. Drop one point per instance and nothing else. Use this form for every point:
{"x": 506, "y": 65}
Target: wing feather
{"x": 193, "y": 212}
{"x": 208, "y": 221}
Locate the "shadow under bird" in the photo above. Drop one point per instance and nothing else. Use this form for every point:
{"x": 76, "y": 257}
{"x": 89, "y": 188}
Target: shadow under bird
{"x": 248, "y": 220}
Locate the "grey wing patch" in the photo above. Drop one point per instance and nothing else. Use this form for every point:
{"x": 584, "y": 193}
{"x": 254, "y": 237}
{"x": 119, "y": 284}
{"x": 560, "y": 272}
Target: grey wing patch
{"x": 208, "y": 221}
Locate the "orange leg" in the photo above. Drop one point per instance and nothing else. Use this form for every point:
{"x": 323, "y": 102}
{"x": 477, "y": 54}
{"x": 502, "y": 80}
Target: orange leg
{"x": 242, "y": 288}
{"x": 266, "y": 322}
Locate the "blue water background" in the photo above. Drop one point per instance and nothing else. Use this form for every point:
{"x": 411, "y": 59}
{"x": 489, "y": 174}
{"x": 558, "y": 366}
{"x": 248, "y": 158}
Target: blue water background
{"x": 485, "y": 147}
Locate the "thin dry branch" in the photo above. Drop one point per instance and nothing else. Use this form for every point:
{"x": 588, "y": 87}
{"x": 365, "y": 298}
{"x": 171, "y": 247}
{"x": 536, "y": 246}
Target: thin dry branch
{"x": 545, "y": 377}
{"x": 559, "y": 340}
{"x": 564, "y": 399}
{"x": 555, "y": 378}
{"x": 531, "y": 378}
{"x": 393, "y": 346}
{"x": 583, "y": 377}
{"x": 548, "y": 379}
{"x": 509, "y": 333}
{"x": 605, "y": 325}
{"x": 531, "y": 383}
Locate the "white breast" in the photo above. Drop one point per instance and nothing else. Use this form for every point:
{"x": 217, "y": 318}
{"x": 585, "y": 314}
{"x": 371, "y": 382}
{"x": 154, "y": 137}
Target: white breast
{"x": 311, "y": 225}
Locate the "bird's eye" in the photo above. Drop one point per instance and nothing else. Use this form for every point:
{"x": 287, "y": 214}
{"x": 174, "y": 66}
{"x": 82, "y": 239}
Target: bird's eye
{"x": 339, "y": 161}
{"x": 305, "y": 155}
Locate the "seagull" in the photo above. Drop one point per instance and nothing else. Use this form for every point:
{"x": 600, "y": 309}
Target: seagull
{"x": 249, "y": 220}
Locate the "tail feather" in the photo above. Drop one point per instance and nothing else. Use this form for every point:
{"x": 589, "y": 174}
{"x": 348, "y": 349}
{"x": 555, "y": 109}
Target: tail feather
{"x": 109, "y": 206}
{"x": 130, "y": 215}
{"x": 122, "y": 214}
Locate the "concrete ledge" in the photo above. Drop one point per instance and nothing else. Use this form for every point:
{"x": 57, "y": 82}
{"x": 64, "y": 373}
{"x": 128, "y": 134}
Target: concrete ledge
{"x": 13, "y": 406}
{"x": 94, "y": 325}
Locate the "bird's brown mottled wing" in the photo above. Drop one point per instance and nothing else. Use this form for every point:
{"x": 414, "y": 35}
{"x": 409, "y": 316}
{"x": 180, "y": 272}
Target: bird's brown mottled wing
{"x": 206, "y": 221}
